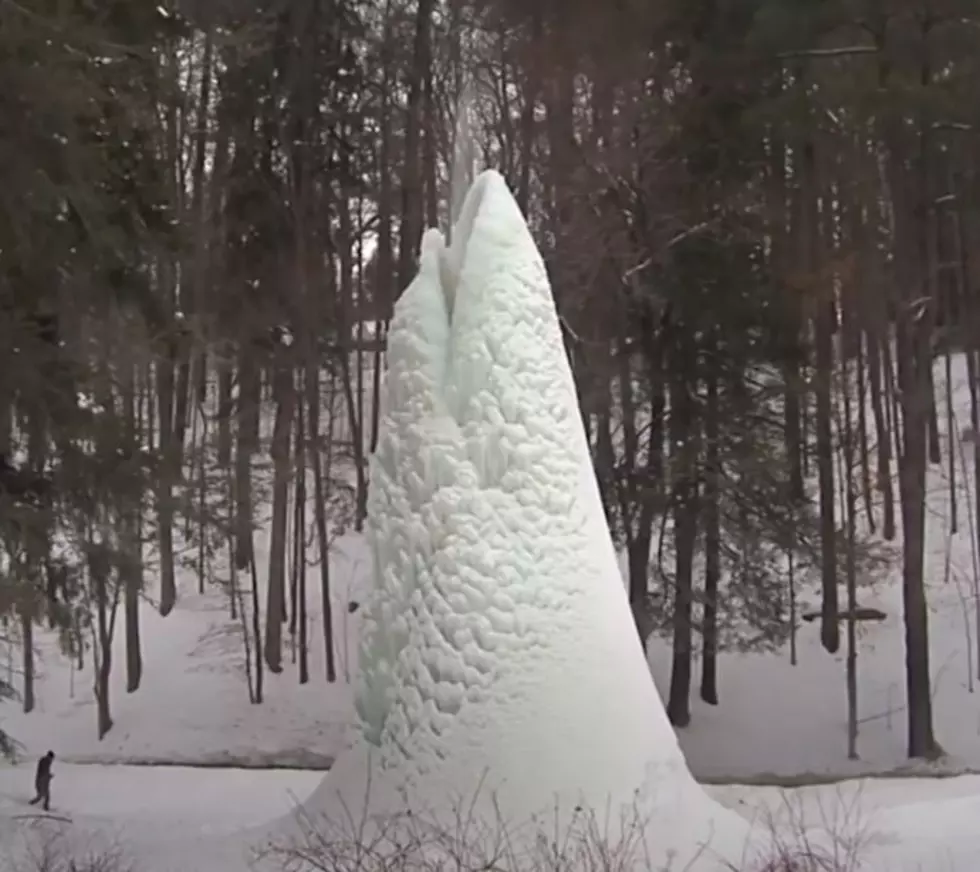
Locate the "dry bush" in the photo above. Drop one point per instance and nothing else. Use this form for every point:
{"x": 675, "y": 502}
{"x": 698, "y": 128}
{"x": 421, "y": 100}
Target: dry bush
{"x": 414, "y": 842}
{"x": 47, "y": 844}
{"x": 796, "y": 843}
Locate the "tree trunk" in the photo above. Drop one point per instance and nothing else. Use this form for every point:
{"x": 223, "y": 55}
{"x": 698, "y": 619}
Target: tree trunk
{"x": 935, "y": 451}
{"x": 320, "y": 513}
{"x": 912, "y": 475}
{"x": 225, "y": 408}
{"x": 165, "y": 508}
{"x": 638, "y": 567}
{"x": 248, "y": 431}
{"x": 256, "y": 630}
{"x": 182, "y": 396}
{"x": 299, "y": 559}
{"x": 275, "y": 608}
{"x": 345, "y": 245}
{"x": 202, "y": 477}
{"x": 850, "y": 558}
{"x": 411, "y": 205}
{"x": 638, "y": 485}
{"x": 27, "y": 662}
{"x": 951, "y": 437}
{"x": 864, "y": 447}
{"x": 131, "y": 568}
{"x": 99, "y": 568}
{"x": 429, "y": 152}
{"x": 829, "y": 630}
{"x": 824, "y": 361}
{"x": 910, "y": 191}
{"x": 883, "y": 479}
{"x": 637, "y": 538}
{"x": 683, "y": 460}
{"x": 712, "y": 548}
{"x": 385, "y": 280}
{"x": 780, "y": 229}
{"x": 531, "y": 89}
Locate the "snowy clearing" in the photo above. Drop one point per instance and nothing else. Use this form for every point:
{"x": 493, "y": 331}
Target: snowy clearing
{"x": 136, "y": 801}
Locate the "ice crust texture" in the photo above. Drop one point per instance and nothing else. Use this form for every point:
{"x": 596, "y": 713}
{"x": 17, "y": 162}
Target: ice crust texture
{"x": 499, "y": 658}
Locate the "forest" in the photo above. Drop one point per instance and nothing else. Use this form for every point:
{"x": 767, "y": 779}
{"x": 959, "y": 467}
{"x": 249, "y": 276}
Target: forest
{"x": 760, "y": 219}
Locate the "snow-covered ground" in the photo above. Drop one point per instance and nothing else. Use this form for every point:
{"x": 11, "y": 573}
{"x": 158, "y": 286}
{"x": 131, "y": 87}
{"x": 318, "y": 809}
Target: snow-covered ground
{"x": 880, "y": 817}
{"x": 193, "y": 706}
{"x": 209, "y": 800}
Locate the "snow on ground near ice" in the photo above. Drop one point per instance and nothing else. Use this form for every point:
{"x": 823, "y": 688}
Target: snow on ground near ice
{"x": 779, "y": 721}
{"x": 907, "y": 820}
{"x": 891, "y": 824}
{"x": 193, "y": 705}
{"x": 774, "y": 720}
{"x": 212, "y": 800}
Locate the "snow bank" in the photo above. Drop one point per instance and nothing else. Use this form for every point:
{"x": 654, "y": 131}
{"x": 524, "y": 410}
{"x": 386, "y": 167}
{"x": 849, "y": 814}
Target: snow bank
{"x": 499, "y": 660}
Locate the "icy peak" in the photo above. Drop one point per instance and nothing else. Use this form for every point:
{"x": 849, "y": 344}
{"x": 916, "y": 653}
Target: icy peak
{"x": 498, "y": 650}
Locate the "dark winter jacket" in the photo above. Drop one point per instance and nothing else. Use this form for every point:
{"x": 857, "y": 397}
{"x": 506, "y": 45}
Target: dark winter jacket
{"x": 43, "y": 773}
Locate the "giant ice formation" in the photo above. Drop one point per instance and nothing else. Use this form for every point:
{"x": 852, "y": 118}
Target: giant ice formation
{"x": 499, "y": 663}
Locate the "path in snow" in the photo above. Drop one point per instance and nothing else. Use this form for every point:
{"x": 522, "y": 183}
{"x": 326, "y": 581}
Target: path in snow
{"x": 212, "y": 800}
{"x": 229, "y": 799}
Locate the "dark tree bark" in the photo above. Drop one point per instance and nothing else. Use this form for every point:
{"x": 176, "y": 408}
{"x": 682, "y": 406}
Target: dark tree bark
{"x": 298, "y": 621}
{"x": 824, "y": 325}
{"x": 908, "y": 176}
{"x": 320, "y": 514}
{"x": 411, "y": 205}
{"x": 131, "y": 551}
{"x": 712, "y": 547}
{"x": 275, "y": 608}
{"x": 685, "y": 510}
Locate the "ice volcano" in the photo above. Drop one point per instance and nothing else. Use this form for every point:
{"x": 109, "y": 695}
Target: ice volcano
{"x": 499, "y": 668}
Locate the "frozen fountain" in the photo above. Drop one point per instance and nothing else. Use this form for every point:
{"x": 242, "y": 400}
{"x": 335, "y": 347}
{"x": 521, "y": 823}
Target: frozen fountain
{"x": 500, "y": 669}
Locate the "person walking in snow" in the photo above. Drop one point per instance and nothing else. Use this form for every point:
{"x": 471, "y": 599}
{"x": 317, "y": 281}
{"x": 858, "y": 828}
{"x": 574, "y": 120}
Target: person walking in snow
{"x": 42, "y": 781}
